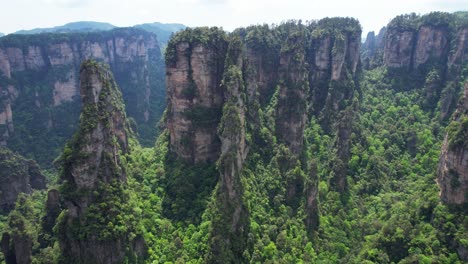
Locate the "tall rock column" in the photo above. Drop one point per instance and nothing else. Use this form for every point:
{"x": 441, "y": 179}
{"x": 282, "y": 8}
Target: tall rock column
{"x": 195, "y": 63}
{"x": 452, "y": 173}
{"x": 231, "y": 223}
{"x": 291, "y": 114}
{"x": 334, "y": 59}
{"x": 91, "y": 228}
{"x": 17, "y": 175}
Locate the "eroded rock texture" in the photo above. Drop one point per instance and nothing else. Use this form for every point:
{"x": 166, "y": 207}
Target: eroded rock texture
{"x": 452, "y": 173}
{"x": 195, "y": 97}
{"x": 39, "y": 85}
{"x": 268, "y": 83}
{"x": 17, "y": 175}
{"x": 93, "y": 176}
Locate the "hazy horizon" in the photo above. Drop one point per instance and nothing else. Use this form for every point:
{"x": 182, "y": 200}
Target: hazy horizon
{"x": 229, "y": 14}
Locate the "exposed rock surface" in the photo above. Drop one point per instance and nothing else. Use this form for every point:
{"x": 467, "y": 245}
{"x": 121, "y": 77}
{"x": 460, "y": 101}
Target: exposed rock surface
{"x": 460, "y": 54}
{"x": 53, "y": 209}
{"x": 40, "y": 72}
{"x": 291, "y": 112}
{"x": 228, "y": 244}
{"x": 428, "y": 52}
{"x": 432, "y": 43}
{"x": 17, "y": 239}
{"x": 17, "y": 247}
{"x": 294, "y": 72}
{"x": 372, "y": 49}
{"x": 17, "y": 175}
{"x": 453, "y": 162}
{"x": 412, "y": 41}
{"x": 311, "y": 197}
{"x": 93, "y": 173}
{"x": 195, "y": 97}
{"x": 333, "y": 58}
{"x": 398, "y": 51}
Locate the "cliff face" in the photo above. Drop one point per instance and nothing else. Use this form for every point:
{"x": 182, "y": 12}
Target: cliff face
{"x": 459, "y": 53}
{"x": 228, "y": 244}
{"x": 39, "y": 84}
{"x": 269, "y": 83}
{"x": 432, "y": 43}
{"x": 17, "y": 244}
{"x": 452, "y": 173}
{"x": 398, "y": 50}
{"x": 333, "y": 59}
{"x": 372, "y": 49}
{"x": 430, "y": 52}
{"x": 291, "y": 113}
{"x": 410, "y": 48}
{"x": 195, "y": 98}
{"x": 93, "y": 176}
{"x": 17, "y": 175}
{"x": 413, "y": 41}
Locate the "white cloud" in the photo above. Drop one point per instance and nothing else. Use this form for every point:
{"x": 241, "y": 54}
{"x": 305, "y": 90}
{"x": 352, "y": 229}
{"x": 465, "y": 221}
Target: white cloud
{"x": 66, "y": 3}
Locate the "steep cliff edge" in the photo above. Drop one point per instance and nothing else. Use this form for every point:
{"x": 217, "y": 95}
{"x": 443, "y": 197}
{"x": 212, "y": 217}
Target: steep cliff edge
{"x": 39, "y": 85}
{"x": 412, "y": 41}
{"x": 333, "y": 59}
{"x": 428, "y": 51}
{"x": 372, "y": 49}
{"x": 92, "y": 227}
{"x": 194, "y": 67}
{"x": 269, "y": 82}
{"x": 17, "y": 175}
{"x": 231, "y": 225}
{"x": 452, "y": 173}
{"x": 291, "y": 112}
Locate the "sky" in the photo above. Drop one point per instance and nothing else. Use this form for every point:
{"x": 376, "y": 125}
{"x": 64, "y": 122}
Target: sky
{"x": 229, "y": 14}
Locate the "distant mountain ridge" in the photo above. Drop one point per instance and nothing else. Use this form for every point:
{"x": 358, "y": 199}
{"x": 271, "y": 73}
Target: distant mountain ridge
{"x": 162, "y": 30}
{"x": 79, "y": 26}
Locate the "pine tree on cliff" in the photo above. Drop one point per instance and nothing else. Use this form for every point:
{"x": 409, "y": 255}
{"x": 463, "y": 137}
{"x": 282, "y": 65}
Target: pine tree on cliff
{"x": 96, "y": 222}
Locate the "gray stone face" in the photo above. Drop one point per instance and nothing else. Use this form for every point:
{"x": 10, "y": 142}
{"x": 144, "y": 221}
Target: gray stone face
{"x": 452, "y": 173}
{"x": 95, "y": 161}
{"x": 17, "y": 175}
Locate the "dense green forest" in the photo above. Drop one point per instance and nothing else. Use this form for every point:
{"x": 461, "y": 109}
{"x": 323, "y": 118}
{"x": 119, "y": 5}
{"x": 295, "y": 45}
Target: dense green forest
{"x": 357, "y": 185}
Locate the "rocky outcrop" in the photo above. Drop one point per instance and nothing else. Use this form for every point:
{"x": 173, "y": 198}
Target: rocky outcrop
{"x": 311, "y": 197}
{"x": 459, "y": 54}
{"x": 432, "y": 43}
{"x": 343, "y": 147}
{"x": 228, "y": 243}
{"x": 17, "y": 245}
{"x": 92, "y": 174}
{"x": 333, "y": 58}
{"x": 398, "y": 50}
{"x": 194, "y": 71}
{"x": 273, "y": 81}
{"x": 372, "y": 50}
{"x": 452, "y": 173}
{"x": 413, "y": 41}
{"x": 17, "y": 175}
{"x": 43, "y": 72}
{"x": 428, "y": 52}
{"x": 53, "y": 209}
{"x": 18, "y": 237}
{"x": 291, "y": 112}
